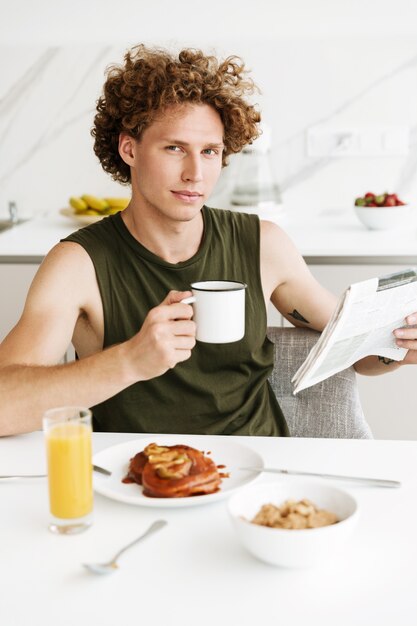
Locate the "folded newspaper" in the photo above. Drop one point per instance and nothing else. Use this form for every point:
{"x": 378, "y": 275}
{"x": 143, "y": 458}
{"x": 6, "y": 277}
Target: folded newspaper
{"x": 361, "y": 325}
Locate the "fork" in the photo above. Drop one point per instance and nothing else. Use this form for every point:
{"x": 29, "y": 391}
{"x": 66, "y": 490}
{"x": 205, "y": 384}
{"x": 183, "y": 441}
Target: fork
{"x": 111, "y": 566}
{"x": 96, "y": 468}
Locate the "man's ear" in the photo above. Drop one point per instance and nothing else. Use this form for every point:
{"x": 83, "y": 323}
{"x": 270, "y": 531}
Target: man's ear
{"x": 127, "y": 148}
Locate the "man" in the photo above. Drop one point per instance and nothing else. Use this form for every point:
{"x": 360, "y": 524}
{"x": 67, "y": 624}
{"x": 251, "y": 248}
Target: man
{"x": 166, "y": 126}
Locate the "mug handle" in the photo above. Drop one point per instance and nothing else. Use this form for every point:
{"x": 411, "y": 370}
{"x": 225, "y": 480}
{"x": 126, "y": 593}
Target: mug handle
{"x": 189, "y": 300}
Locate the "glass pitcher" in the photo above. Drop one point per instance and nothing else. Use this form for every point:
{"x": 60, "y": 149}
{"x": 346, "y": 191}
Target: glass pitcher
{"x": 255, "y": 184}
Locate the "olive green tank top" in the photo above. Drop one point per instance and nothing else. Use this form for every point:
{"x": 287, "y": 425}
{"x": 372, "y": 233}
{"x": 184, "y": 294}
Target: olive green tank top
{"x": 222, "y": 389}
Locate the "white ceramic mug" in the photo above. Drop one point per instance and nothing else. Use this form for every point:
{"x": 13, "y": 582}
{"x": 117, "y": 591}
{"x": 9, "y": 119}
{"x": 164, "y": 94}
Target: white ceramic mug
{"x": 219, "y": 310}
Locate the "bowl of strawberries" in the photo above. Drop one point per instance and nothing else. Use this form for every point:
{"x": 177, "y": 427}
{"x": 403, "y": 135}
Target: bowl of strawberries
{"x": 382, "y": 211}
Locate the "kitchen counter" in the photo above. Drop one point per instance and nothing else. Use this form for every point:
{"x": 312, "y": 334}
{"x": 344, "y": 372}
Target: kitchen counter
{"x": 337, "y": 237}
{"x": 323, "y": 237}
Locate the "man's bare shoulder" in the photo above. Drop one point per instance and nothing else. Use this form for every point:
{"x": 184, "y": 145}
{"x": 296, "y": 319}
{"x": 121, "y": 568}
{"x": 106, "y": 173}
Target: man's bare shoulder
{"x": 66, "y": 272}
{"x": 66, "y": 260}
{"x": 67, "y": 252}
{"x": 63, "y": 288}
{"x": 278, "y": 249}
{"x": 272, "y": 233}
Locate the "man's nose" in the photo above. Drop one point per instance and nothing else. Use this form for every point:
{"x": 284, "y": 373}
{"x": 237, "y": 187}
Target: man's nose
{"x": 192, "y": 169}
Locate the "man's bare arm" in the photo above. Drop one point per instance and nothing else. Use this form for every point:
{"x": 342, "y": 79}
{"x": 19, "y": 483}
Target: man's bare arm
{"x": 27, "y": 391}
{"x": 289, "y": 284}
{"x": 31, "y": 381}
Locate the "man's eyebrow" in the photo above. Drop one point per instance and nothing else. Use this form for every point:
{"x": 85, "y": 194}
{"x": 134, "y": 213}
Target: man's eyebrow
{"x": 179, "y": 142}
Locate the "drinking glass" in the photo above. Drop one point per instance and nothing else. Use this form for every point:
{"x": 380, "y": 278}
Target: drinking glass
{"x": 68, "y": 435}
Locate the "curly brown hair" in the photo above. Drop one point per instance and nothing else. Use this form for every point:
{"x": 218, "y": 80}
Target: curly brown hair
{"x": 153, "y": 79}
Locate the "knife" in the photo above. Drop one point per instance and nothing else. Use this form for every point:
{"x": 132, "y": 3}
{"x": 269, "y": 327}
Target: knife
{"x": 377, "y": 482}
{"x": 96, "y": 468}
{"x": 101, "y": 470}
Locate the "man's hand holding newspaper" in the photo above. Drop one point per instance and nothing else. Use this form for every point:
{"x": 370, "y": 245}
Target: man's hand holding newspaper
{"x": 362, "y": 324}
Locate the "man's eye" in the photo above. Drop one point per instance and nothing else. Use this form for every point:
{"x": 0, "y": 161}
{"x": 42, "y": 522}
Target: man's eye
{"x": 173, "y": 148}
{"x": 210, "y": 151}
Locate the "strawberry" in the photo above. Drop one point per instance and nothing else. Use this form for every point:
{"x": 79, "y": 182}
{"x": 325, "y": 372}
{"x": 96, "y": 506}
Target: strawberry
{"x": 382, "y": 200}
{"x": 390, "y": 200}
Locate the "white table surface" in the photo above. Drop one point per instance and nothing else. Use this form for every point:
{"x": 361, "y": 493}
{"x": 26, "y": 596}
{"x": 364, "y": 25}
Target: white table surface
{"x": 194, "y": 571}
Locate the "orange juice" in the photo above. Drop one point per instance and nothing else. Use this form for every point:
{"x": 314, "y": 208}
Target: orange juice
{"x": 70, "y": 480}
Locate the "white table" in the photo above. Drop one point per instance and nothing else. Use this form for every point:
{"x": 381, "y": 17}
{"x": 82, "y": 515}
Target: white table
{"x": 194, "y": 571}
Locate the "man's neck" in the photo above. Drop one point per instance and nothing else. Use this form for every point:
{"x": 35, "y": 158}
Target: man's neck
{"x": 172, "y": 241}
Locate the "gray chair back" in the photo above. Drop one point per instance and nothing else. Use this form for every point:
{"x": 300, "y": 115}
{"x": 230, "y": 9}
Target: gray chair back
{"x": 331, "y": 408}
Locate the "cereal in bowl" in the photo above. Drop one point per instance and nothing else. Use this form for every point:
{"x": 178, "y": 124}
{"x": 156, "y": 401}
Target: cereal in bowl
{"x": 293, "y": 515}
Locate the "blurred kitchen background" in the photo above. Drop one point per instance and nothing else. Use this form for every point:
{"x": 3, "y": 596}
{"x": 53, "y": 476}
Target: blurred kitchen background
{"x": 338, "y": 82}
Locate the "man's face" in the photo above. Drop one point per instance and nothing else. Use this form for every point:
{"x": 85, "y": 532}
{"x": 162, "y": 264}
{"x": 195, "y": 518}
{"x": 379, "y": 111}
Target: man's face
{"x": 178, "y": 161}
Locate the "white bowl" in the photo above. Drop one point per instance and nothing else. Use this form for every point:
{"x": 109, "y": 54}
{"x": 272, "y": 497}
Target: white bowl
{"x": 292, "y": 548}
{"x": 383, "y": 218}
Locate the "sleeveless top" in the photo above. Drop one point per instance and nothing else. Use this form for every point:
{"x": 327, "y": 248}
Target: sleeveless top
{"x": 222, "y": 389}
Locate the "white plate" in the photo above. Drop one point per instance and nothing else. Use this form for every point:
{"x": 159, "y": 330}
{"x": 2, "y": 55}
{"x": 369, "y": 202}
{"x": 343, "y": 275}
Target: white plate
{"x": 223, "y": 451}
{"x": 79, "y": 218}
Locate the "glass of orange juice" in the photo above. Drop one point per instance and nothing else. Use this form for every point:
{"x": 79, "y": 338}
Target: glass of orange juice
{"x": 68, "y": 435}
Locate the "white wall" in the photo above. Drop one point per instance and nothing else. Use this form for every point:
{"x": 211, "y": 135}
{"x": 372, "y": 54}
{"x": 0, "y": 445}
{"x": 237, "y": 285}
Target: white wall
{"x": 344, "y": 63}
{"x": 60, "y": 21}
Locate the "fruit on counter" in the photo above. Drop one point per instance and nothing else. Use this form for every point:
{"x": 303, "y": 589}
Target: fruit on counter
{"x": 88, "y": 204}
{"x": 383, "y": 200}
{"x": 95, "y": 203}
{"x": 117, "y": 203}
{"x": 78, "y": 203}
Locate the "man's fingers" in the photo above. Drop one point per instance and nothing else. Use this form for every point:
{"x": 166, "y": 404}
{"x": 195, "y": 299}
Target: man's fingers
{"x": 184, "y": 343}
{"x": 410, "y": 344}
{"x": 183, "y": 355}
{"x": 183, "y": 328}
{"x": 167, "y": 313}
{"x": 406, "y": 333}
{"x": 176, "y": 296}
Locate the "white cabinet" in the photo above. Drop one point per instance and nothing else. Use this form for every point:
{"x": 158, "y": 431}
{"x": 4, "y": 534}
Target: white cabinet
{"x": 14, "y": 284}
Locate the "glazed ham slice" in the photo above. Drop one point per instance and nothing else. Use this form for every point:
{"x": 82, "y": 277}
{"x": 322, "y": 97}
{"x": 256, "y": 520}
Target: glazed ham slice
{"x": 173, "y": 472}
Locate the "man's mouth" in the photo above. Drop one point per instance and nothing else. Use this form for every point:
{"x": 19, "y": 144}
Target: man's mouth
{"x": 186, "y": 195}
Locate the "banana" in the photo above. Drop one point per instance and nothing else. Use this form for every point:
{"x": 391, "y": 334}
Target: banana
{"x": 117, "y": 203}
{"x": 113, "y": 209}
{"x": 95, "y": 203}
{"x": 78, "y": 204}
